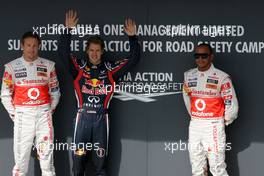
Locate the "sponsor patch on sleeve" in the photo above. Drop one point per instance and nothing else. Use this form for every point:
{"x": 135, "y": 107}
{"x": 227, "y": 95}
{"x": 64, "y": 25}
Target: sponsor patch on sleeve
{"x": 228, "y": 102}
{"x": 226, "y": 86}
{"x": 7, "y": 76}
{"x": 54, "y": 84}
{"x": 55, "y": 89}
{"x": 228, "y": 97}
{"x": 53, "y": 74}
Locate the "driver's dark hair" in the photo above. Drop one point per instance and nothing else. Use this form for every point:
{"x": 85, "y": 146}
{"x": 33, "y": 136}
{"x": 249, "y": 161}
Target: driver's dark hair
{"x": 30, "y": 34}
{"x": 208, "y": 46}
{"x": 95, "y": 40}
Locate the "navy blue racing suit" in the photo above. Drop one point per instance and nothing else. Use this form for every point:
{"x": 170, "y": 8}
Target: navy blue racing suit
{"x": 94, "y": 87}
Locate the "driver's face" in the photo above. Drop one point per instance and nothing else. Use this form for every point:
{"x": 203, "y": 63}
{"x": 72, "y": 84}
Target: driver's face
{"x": 30, "y": 48}
{"x": 203, "y": 57}
{"x": 94, "y": 53}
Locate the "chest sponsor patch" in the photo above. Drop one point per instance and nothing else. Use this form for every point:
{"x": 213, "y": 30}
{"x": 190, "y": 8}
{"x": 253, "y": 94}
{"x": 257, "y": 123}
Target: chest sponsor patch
{"x": 192, "y": 79}
{"x": 21, "y": 75}
{"x": 41, "y": 69}
{"x": 207, "y": 107}
{"x": 192, "y": 84}
{"x": 213, "y": 77}
{"x": 86, "y": 68}
{"x": 43, "y": 74}
{"x": 212, "y": 81}
{"x": 87, "y": 75}
{"x": 102, "y": 77}
{"x": 20, "y": 70}
{"x": 211, "y": 86}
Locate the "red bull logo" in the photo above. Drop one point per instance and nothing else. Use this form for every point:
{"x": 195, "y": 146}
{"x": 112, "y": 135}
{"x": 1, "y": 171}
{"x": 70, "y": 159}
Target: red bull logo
{"x": 98, "y": 87}
{"x": 95, "y": 82}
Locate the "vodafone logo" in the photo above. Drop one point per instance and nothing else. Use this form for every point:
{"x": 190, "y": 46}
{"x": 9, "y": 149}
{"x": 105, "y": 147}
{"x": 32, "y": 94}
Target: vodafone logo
{"x": 200, "y": 104}
{"x": 33, "y": 93}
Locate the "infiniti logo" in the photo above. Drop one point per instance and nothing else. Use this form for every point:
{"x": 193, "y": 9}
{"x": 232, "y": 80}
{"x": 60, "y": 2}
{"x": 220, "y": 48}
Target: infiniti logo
{"x": 93, "y": 99}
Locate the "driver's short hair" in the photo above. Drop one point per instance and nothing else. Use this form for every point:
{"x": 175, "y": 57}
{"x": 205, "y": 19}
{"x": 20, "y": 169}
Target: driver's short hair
{"x": 30, "y": 34}
{"x": 208, "y": 46}
{"x": 95, "y": 40}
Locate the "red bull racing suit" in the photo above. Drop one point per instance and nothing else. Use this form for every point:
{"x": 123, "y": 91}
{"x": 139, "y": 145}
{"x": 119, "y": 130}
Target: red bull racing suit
{"x": 211, "y": 101}
{"x": 94, "y": 87}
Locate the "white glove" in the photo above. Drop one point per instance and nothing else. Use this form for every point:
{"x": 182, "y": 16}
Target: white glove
{"x": 12, "y": 116}
{"x": 228, "y": 121}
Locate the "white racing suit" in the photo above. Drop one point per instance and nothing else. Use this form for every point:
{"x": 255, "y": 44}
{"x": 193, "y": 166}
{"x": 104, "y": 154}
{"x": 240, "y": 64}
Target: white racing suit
{"x": 211, "y": 101}
{"x": 30, "y": 93}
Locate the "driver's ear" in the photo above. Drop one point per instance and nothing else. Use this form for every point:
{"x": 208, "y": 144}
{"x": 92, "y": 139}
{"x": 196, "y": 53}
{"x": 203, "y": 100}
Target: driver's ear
{"x": 86, "y": 50}
{"x": 212, "y": 57}
{"x": 22, "y": 45}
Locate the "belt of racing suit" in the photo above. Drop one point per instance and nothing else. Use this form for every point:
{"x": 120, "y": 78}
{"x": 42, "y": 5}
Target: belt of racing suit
{"x": 92, "y": 110}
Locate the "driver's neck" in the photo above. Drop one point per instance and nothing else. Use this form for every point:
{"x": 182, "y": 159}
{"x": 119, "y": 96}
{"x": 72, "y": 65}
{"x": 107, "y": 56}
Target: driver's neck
{"x": 95, "y": 63}
{"x": 203, "y": 69}
{"x": 29, "y": 59}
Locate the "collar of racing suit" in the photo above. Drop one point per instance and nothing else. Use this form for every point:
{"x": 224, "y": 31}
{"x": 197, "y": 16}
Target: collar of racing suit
{"x": 95, "y": 66}
{"x": 206, "y": 71}
{"x": 28, "y": 62}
